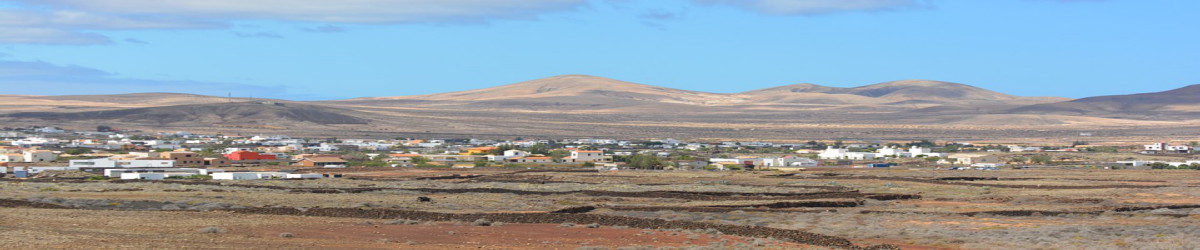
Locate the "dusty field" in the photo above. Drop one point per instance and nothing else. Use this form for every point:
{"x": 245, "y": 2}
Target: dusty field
{"x": 914, "y": 209}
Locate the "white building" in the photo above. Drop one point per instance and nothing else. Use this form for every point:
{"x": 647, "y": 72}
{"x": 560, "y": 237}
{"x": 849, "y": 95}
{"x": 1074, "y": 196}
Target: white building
{"x": 789, "y": 161}
{"x": 232, "y": 150}
{"x": 39, "y": 156}
{"x": 1163, "y": 147}
{"x": 49, "y": 130}
{"x": 116, "y": 172}
{"x": 110, "y": 163}
{"x": 248, "y": 175}
{"x": 153, "y": 176}
{"x": 304, "y": 176}
{"x": 589, "y": 156}
{"x": 844, "y": 154}
{"x": 12, "y": 158}
{"x": 36, "y": 141}
{"x": 515, "y": 153}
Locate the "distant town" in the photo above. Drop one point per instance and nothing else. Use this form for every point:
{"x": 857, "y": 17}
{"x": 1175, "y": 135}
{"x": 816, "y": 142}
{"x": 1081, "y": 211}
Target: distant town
{"x": 48, "y": 151}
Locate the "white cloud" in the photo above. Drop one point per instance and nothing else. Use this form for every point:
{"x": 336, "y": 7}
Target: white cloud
{"x": 63, "y": 27}
{"x": 51, "y": 79}
{"x": 333, "y": 11}
{"x": 33, "y": 35}
{"x": 815, "y": 7}
{"x": 73, "y": 21}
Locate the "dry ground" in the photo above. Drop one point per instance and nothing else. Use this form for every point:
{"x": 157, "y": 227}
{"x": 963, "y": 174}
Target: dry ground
{"x": 907, "y": 208}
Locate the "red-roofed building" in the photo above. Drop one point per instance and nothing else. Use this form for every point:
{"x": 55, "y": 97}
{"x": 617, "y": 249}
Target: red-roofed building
{"x": 249, "y": 156}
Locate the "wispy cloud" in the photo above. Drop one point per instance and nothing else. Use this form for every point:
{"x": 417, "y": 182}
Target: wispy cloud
{"x": 656, "y": 17}
{"x": 135, "y": 41}
{"x": 355, "y": 11}
{"x": 271, "y": 35}
{"x": 815, "y": 7}
{"x": 75, "y": 22}
{"x": 64, "y": 27}
{"x": 325, "y": 29}
{"x": 51, "y": 79}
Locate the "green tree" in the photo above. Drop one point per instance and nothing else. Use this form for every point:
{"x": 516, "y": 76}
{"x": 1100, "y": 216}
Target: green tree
{"x": 499, "y": 150}
{"x": 644, "y": 161}
{"x": 538, "y": 149}
{"x": 481, "y": 162}
{"x": 420, "y": 160}
{"x": 356, "y": 157}
{"x": 1040, "y": 159}
{"x": 924, "y": 143}
{"x": 559, "y": 154}
{"x": 78, "y": 151}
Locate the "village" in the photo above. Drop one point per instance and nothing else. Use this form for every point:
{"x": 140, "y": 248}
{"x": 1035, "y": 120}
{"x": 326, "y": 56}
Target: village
{"x": 50, "y": 151}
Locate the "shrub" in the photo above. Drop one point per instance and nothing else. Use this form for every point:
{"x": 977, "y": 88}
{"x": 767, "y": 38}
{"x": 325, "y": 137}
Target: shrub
{"x": 481, "y": 222}
{"x": 286, "y": 235}
{"x": 403, "y": 222}
{"x": 191, "y": 177}
{"x": 213, "y": 230}
{"x": 97, "y": 178}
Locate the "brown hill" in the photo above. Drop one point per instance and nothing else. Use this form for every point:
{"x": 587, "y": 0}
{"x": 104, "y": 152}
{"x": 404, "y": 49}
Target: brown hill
{"x": 1177, "y": 103}
{"x": 896, "y": 92}
{"x": 567, "y": 89}
{"x": 257, "y": 113}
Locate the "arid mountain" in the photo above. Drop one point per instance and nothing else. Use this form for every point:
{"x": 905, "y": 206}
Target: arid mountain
{"x": 806, "y": 93}
{"x": 582, "y": 91}
{"x": 571, "y": 88}
{"x": 101, "y": 102}
{"x": 588, "y": 106}
{"x": 240, "y": 113}
{"x": 898, "y": 92}
{"x": 1181, "y": 103}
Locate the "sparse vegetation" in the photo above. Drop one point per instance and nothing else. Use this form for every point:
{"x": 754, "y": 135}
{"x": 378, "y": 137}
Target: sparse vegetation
{"x": 212, "y": 230}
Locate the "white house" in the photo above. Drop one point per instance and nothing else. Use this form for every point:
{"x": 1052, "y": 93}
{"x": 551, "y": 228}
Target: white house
{"x": 831, "y": 153}
{"x": 515, "y": 153}
{"x": 789, "y": 161}
{"x": 49, "y": 130}
{"x": 232, "y": 150}
{"x": 152, "y": 176}
{"x": 1163, "y": 147}
{"x": 303, "y": 176}
{"x": 913, "y": 152}
{"x": 116, "y": 172}
{"x": 725, "y": 161}
{"x": 248, "y": 175}
{"x": 588, "y": 156}
{"x": 916, "y": 151}
{"x": 12, "y": 158}
{"x": 970, "y": 159}
{"x": 39, "y": 156}
{"x": 325, "y": 147}
{"x": 110, "y": 163}
{"x": 36, "y": 141}
{"x": 844, "y": 154}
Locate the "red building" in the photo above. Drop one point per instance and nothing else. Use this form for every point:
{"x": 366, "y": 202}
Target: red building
{"x": 248, "y": 156}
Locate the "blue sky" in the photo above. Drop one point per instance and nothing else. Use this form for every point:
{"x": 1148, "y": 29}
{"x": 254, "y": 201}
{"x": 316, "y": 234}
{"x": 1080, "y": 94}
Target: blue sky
{"x": 318, "y": 49}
